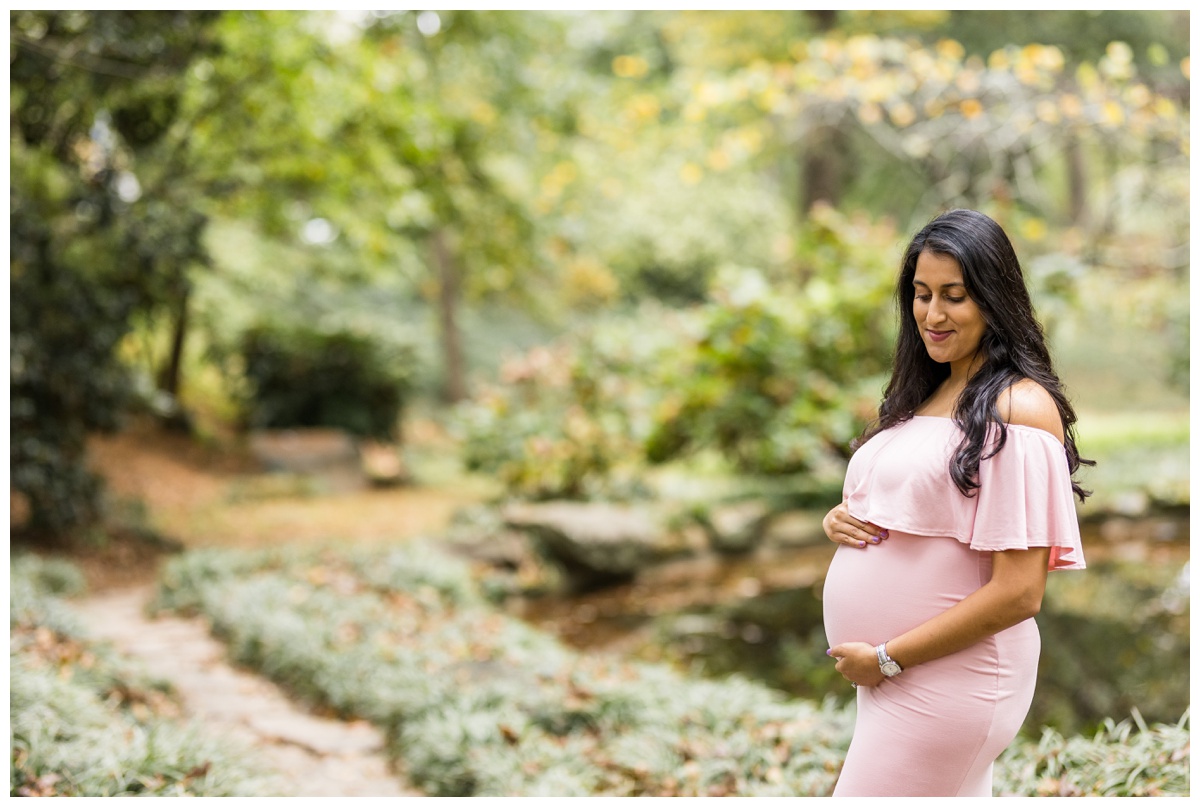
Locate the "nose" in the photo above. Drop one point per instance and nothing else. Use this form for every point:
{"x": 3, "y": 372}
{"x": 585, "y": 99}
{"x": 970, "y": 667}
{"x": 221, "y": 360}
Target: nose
{"x": 934, "y": 313}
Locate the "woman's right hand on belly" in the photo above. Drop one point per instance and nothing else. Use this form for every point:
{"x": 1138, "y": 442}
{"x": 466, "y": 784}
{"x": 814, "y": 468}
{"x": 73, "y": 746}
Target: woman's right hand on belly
{"x": 843, "y": 528}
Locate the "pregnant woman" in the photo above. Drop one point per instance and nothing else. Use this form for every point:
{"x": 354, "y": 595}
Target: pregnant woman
{"x": 956, "y": 504}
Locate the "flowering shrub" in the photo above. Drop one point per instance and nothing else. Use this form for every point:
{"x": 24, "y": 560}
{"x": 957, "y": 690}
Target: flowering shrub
{"x": 567, "y": 421}
{"x": 775, "y": 376}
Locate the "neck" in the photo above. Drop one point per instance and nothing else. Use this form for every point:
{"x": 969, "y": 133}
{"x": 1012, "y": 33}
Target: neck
{"x": 962, "y": 370}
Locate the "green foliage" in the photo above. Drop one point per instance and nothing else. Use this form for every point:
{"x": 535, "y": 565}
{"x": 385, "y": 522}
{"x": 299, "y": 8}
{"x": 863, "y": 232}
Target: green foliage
{"x": 1116, "y": 761}
{"x": 1136, "y": 479}
{"x": 127, "y": 62}
{"x": 300, "y": 375}
{"x": 662, "y": 237}
{"x": 63, "y": 379}
{"x": 83, "y": 724}
{"x": 778, "y": 378}
{"x": 34, "y": 586}
{"x": 66, "y": 741}
{"x": 1145, "y": 670}
{"x": 478, "y": 704}
{"x": 88, "y": 249}
{"x": 559, "y": 164}
{"x": 1114, "y": 641}
{"x": 49, "y": 575}
{"x": 81, "y": 267}
{"x": 967, "y": 131}
{"x": 567, "y": 420}
{"x": 1083, "y": 34}
{"x": 1129, "y": 350}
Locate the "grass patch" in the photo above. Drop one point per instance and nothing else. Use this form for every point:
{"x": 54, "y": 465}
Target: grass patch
{"x": 1105, "y": 432}
{"x": 1143, "y": 461}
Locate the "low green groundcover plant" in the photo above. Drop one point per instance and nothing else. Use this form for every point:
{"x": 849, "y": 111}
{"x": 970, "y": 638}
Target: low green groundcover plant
{"x": 1116, "y": 761}
{"x": 476, "y": 703}
{"x": 80, "y": 724}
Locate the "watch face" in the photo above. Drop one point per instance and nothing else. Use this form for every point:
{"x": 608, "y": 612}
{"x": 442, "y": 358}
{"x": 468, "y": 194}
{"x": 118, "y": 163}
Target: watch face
{"x": 891, "y": 668}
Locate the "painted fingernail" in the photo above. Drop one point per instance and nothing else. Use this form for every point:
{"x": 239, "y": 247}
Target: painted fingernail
{"x": 829, "y": 652}
{"x": 884, "y": 534}
{"x": 862, "y": 544}
{"x": 875, "y": 540}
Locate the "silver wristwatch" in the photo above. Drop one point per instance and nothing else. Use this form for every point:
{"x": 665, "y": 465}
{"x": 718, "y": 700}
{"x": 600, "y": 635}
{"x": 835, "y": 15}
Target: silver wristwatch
{"x": 887, "y": 665}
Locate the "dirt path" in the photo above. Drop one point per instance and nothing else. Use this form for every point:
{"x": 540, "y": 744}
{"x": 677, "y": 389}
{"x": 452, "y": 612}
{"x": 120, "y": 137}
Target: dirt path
{"x": 208, "y": 497}
{"x": 313, "y": 756}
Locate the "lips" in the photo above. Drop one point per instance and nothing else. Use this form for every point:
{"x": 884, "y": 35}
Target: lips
{"x": 939, "y": 336}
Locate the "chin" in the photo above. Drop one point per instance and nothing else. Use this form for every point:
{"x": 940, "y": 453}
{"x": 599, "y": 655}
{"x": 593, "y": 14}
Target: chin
{"x": 941, "y": 357}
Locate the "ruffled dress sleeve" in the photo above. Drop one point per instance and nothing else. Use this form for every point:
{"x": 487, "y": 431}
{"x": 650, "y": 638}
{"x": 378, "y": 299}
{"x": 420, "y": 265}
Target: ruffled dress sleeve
{"x": 901, "y": 480}
{"x": 1025, "y": 499}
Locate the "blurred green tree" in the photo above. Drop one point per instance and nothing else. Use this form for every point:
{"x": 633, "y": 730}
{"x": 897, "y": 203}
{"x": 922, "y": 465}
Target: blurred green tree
{"x": 406, "y": 135}
{"x": 557, "y": 163}
{"x": 136, "y": 128}
{"x": 90, "y": 93}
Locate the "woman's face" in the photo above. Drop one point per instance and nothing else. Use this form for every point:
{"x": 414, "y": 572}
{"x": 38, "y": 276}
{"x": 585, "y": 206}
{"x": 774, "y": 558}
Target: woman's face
{"x": 950, "y": 322}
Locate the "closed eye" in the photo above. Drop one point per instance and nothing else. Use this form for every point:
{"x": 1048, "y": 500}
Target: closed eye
{"x": 927, "y": 297}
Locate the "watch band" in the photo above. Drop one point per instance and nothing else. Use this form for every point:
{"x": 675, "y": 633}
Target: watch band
{"x": 887, "y": 665}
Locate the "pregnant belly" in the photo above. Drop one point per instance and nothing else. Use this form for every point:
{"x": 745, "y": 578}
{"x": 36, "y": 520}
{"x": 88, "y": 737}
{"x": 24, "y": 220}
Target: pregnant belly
{"x": 873, "y": 594}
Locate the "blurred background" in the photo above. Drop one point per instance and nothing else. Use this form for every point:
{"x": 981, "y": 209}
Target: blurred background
{"x": 597, "y": 298}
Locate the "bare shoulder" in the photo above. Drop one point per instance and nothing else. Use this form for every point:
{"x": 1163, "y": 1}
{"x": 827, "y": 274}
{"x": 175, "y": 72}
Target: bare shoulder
{"x": 1027, "y": 403}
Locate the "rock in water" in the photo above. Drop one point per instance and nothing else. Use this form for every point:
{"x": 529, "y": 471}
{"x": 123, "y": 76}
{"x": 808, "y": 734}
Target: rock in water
{"x": 597, "y": 543}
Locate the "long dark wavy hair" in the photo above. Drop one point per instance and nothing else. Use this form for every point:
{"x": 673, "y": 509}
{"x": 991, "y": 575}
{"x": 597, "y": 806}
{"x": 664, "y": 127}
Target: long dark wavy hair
{"x": 1013, "y": 345}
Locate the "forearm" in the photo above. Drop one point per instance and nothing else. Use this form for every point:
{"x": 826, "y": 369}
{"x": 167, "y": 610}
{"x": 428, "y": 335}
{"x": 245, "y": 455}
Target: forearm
{"x": 1013, "y": 595}
{"x": 984, "y": 613}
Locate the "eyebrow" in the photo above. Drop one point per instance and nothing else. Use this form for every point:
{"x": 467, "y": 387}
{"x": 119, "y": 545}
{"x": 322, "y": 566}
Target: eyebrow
{"x": 944, "y": 285}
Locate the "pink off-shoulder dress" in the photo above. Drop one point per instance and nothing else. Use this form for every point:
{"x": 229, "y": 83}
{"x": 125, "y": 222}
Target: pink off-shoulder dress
{"x": 937, "y": 728}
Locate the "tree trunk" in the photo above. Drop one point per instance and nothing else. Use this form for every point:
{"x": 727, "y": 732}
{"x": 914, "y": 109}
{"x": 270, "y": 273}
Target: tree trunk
{"x": 824, "y": 157}
{"x": 454, "y": 383}
{"x": 1076, "y": 181}
{"x": 823, "y": 153}
{"x": 824, "y": 20}
{"x": 169, "y": 375}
